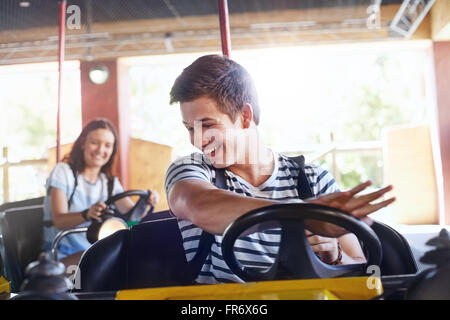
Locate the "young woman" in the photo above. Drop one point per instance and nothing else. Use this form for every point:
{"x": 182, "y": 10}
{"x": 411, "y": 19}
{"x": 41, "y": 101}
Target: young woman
{"x": 78, "y": 186}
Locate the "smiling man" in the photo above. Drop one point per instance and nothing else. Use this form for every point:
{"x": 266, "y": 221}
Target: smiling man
{"x": 220, "y": 110}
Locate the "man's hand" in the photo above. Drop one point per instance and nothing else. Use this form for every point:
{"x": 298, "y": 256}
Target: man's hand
{"x": 359, "y": 207}
{"x": 325, "y": 248}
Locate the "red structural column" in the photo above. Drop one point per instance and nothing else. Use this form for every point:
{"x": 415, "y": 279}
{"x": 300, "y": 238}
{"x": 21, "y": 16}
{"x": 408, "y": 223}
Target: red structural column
{"x": 109, "y": 100}
{"x": 62, "y": 25}
{"x": 224, "y": 27}
{"x": 442, "y": 71}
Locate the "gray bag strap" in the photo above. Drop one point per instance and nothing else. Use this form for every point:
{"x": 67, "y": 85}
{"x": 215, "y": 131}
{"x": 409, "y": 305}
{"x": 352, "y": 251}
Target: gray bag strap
{"x": 49, "y": 223}
{"x": 206, "y": 239}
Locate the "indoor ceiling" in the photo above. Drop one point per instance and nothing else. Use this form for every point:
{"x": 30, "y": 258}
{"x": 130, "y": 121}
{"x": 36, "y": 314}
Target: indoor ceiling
{"x": 103, "y": 29}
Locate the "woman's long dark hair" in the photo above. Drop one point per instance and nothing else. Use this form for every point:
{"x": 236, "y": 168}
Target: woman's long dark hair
{"x": 75, "y": 158}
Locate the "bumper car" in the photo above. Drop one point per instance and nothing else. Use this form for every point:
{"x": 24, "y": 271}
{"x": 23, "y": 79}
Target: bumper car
{"x": 147, "y": 261}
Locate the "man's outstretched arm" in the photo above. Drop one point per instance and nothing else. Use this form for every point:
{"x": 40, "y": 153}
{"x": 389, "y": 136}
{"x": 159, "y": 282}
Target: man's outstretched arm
{"x": 213, "y": 209}
{"x": 208, "y": 207}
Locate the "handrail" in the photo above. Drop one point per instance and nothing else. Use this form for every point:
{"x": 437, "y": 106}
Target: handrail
{"x": 333, "y": 148}
{"x": 313, "y": 154}
{"x": 61, "y": 235}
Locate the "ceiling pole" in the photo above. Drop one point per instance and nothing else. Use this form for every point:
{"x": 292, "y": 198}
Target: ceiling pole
{"x": 224, "y": 27}
{"x": 62, "y": 21}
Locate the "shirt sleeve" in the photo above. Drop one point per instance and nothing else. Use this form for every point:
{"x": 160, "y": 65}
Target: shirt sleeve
{"x": 62, "y": 178}
{"x": 117, "y": 187}
{"x": 189, "y": 167}
{"x": 321, "y": 181}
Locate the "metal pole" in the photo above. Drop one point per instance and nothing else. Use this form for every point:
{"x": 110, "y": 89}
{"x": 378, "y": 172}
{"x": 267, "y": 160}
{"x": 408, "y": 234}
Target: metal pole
{"x": 5, "y": 175}
{"x": 224, "y": 27}
{"x": 62, "y": 24}
{"x": 61, "y": 235}
{"x": 335, "y": 170}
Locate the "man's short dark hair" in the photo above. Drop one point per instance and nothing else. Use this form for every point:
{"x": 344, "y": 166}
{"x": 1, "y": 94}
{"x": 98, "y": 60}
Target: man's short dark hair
{"x": 221, "y": 79}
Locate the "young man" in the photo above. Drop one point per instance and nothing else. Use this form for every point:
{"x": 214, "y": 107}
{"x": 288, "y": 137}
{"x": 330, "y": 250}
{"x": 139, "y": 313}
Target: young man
{"x": 220, "y": 110}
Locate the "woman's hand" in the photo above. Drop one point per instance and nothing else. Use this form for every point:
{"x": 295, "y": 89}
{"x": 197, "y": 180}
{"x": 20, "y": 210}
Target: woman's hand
{"x": 326, "y": 249}
{"x": 153, "y": 197}
{"x": 95, "y": 211}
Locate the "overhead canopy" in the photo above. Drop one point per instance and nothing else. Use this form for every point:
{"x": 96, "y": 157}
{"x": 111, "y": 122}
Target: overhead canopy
{"x": 114, "y": 28}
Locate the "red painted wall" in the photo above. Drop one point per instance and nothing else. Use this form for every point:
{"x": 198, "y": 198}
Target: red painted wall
{"x": 442, "y": 70}
{"x": 109, "y": 100}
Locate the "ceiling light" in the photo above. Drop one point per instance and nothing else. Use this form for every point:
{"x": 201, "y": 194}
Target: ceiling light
{"x": 99, "y": 74}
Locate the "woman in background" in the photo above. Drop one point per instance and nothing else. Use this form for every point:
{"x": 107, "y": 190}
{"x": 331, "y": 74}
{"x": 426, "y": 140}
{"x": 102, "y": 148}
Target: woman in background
{"x": 78, "y": 187}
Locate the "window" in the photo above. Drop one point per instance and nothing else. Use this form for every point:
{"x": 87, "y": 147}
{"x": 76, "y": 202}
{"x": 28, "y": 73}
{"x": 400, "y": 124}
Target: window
{"x": 338, "y": 98}
{"x": 28, "y": 122}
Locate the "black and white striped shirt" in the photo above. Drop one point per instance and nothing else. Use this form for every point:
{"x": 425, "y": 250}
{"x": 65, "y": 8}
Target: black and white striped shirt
{"x": 257, "y": 249}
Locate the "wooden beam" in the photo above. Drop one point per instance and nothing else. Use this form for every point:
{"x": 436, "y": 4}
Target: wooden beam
{"x": 206, "y": 22}
{"x": 440, "y": 20}
{"x": 201, "y": 33}
{"x": 423, "y": 31}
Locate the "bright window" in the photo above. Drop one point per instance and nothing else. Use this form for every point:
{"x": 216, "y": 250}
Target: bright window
{"x": 28, "y": 120}
{"x": 308, "y": 96}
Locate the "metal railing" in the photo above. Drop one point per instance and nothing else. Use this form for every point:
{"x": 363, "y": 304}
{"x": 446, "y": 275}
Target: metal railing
{"x": 334, "y": 148}
{"x": 315, "y": 153}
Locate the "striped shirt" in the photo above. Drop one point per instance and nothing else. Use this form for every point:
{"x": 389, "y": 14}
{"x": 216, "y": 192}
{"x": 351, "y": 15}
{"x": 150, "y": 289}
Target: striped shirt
{"x": 258, "y": 249}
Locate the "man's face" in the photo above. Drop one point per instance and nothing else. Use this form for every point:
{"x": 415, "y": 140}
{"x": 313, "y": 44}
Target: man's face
{"x": 212, "y": 131}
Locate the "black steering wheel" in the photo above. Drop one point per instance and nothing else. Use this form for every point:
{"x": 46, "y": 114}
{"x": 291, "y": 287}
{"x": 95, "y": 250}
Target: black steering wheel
{"x": 133, "y": 213}
{"x": 295, "y": 258}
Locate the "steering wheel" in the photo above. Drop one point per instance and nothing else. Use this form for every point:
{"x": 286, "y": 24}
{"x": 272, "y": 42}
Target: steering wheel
{"x": 92, "y": 231}
{"x": 133, "y": 213}
{"x": 295, "y": 258}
